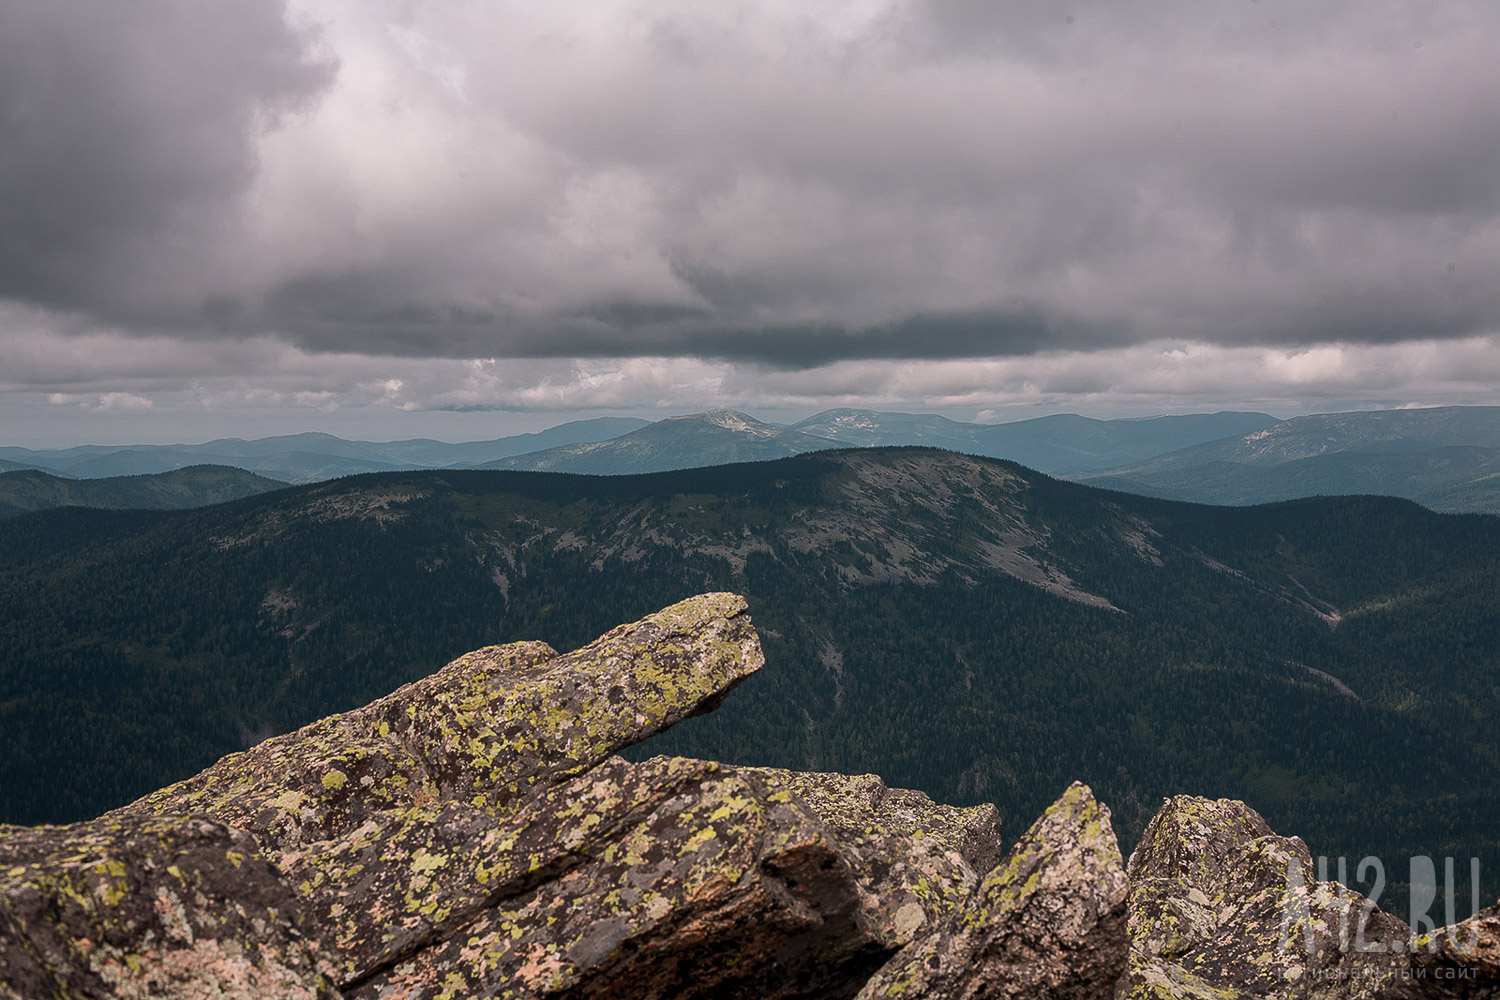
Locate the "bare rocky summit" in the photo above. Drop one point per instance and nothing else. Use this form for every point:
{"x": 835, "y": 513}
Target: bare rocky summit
{"x": 475, "y": 834}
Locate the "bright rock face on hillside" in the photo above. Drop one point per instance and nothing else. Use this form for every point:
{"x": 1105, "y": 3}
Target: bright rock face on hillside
{"x": 475, "y": 835}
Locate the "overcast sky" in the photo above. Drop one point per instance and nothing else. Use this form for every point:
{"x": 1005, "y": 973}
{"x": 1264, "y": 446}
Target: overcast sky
{"x": 466, "y": 218}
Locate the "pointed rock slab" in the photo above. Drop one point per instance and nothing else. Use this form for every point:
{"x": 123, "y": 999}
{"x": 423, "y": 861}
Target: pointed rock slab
{"x": 489, "y": 729}
{"x": 333, "y": 775}
{"x": 1221, "y": 907}
{"x": 398, "y": 820}
{"x": 1048, "y": 922}
{"x": 150, "y": 907}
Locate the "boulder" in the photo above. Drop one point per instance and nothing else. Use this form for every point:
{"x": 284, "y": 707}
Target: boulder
{"x": 1220, "y": 906}
{"x": 914, "y": 861}
{"x": 686, "y": 878}
{"x": 400, "y": 821}
{"x": 671, "y": 878}
{"x": 1048, "y": 922}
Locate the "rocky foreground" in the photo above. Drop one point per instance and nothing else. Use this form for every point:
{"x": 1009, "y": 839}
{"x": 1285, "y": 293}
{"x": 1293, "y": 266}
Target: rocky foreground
{"x": 474, "y": 835}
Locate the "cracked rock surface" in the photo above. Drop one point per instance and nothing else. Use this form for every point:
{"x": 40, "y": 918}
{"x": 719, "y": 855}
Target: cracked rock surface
{"x": 146, "y": 907}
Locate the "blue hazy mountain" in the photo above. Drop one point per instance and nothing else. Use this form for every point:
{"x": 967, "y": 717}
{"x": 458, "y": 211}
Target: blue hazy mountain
{"x": 308, "y": 457}
{"x": 1447, "y": 458}
{"x": 717, "y": 437}
{"x": 8, "y": 466}
{"x": 1061, "y": 444}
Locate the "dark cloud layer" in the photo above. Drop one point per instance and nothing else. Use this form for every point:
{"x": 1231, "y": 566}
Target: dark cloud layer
{"x": 127, "y": 133}
{"x": 778, "y": 184}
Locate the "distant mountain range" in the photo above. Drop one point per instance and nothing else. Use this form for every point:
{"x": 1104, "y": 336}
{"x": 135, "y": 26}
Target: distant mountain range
{"x": 7, "y": 466}
{"x": 1058, "y": 445}
{"x": 718, "y": 437}
{"x": 304, "y": 458}
{"x": 25, "y": 490}
{"x": 1446, "y": 458}
{"x": 958, "y": 624}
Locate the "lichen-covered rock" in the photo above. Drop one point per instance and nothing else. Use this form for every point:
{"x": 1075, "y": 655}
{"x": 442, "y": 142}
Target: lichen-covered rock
{"x": 678, "y": 878}
{"x": 150, "y": 907}
{"x": 487, "y": 729}
{"x": 1048, "y": 922}
{"x": 1461, "y": 961}
{"x": 669, "y": 878}
{"x": 399, "y": 821}
{"x": 1222, "y": 907}
{"x": 915, "y": 861}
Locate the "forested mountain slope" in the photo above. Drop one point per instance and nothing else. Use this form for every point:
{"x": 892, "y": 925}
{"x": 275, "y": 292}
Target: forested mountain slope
{"x": 196, "y": 486}
{"x": 956, "y": 624}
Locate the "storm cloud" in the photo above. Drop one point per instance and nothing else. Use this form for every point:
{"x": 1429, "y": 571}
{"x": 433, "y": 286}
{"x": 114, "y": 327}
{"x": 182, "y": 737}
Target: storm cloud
{"x": 772, "y": 187}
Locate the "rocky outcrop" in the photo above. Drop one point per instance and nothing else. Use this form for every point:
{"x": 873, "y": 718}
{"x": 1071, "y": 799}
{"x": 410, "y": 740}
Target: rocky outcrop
{"x": 1222, "y": 907}
{"x": 1461, "y": 961}
{"x": 1049, "y": 922}
{"x": 475, "y": 834}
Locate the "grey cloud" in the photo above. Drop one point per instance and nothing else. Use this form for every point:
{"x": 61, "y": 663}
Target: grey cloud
{"x": 126, "y": 133}
{"x": 1082, "y": 32}
{"x": 351, "y": 314}
{"x": 992, "y": 333}
{"x": 939, "y": 179}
